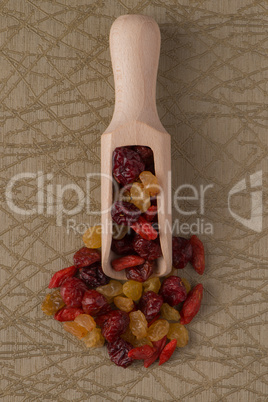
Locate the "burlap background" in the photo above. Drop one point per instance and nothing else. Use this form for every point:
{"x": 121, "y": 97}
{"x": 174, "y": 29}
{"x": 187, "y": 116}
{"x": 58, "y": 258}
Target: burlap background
{"x": 56, "y": 99}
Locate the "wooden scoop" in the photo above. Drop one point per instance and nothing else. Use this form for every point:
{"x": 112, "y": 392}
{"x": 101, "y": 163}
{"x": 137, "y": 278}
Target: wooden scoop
{"x": 135, "y": 47}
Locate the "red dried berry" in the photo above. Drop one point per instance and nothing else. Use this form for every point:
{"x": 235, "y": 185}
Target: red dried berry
{"x": 68, "y": 314}
{"x": 59, "y": 277}
{"x": 95, "y": 303}
{"x": 144, "y": 229}
{"x": 148, "y": 249}
{"x": 86, "y": 256}
{"x": 118, "y": 352}
{"x": 140, "y": 273}
{"x": 72, "y": 291}
{"x": 173, "y": 290}
{"x": 153, "y": 320}
{"x": 93, "y": 276}
{"x": 181, "y": 252}
{"x": 168, "y": 351}
{"x": 146, "y": 153}
{"x": 150, "y": 304}
{"x": 115, "y": 325}
{"x": 141, "y": 352}
{"x": 122, "y": 246}
{"x": 100, "y": 320}
{"x": 158, "y": 347}
{"x": 125, "y": 213}
{"x": 127, "y": 262}
{"x": 192, "y": 304}
{"x": 198, "y": 255}
{"x": 127, "y": 165}
{"x": 151, "y": 213}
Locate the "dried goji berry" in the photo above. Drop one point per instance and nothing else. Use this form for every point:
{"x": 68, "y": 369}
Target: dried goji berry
{"x": 59, "y": 277}
{"x": 86, "y": 256}
{"x": 68, "y": 314}
{"x": 167, "y": 352}
{"x": 181, "y": 252}
{"x": 158, "y": 347}
{"x": 198, "y": 255}
{"x": 127, "y": 262}
{"x": 144, "y": 229}
{"x": 192, "y": 304}
{"x": 141, "y": 352}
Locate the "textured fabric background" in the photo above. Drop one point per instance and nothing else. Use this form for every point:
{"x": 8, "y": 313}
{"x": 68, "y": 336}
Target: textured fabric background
{"x": 56, "y": 99}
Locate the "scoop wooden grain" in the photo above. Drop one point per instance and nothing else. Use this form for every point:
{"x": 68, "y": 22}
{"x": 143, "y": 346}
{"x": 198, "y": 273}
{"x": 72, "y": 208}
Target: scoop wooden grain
{"x": 135, "y": 47}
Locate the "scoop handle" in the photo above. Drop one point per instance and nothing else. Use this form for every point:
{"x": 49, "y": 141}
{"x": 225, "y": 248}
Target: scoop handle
{"x": 135, "y": 48}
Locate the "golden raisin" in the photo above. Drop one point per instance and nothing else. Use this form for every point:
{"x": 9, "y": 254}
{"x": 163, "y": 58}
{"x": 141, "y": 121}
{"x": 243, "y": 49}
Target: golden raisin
{"x": 179, "y": 332}
{"x": 114, "y": 288}
{"x": 92, "y": 237}
{"x": 150, "y": 183}
{"x": 133, "y": 289}
{"x": 186, "y": 284}
{"x": 169, "y": 313}
{"x": 124, "y": 303}
{"x": 75, "y": 329}
{"x": 138, "y": 324}
{"x": 86, "y": 321}
{"x": 94, "y": 339}
{"x": 139, "y": 197}
{"x": 158, "y": 330}
{"x": 131, "y": 338}
{"x": 142, "y": 342}
{"x": 52, "y": 303}
{"x": 152, "y": 284}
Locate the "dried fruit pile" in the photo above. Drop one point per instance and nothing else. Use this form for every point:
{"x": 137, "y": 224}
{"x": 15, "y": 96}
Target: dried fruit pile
{"x": 142, "y": 318}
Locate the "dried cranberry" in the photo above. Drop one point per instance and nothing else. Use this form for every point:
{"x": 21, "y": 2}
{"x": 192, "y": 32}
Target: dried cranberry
{"x": 72, "y": 291}
{"x": 150, "y": 304}
{"x": 127, "y": 261}
{"x": 140, "y": 273}
{"x": 181, "y": 252}
{"x": 127, "y": 165}
{"x": 145, "y": 152}
{"x": 118, "y": 352}
{"x": 86, "y": 256}
{"x": 115, "y": 325}
{"x": 123, "y": 246}
{"x": 198, "y": 256}
{"x": 94, "y": 303}
{"x": 68, "y": 314}
{"x": 173, "y": 290}
{"x": 125, "y": 213}
{"x": 100, "y": 320}
{"x": 148, "y": 249}
{"x": 93, "y": 276}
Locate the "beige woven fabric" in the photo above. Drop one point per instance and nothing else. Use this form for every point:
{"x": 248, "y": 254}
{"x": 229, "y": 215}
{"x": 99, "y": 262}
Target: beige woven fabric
{"x": 56, "y": 99}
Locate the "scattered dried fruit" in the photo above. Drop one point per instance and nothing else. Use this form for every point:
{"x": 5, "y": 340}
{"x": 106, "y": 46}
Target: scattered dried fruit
{"x": 181, "y": 252}
{"x": 72, "y": 291}
{"x": 138, "y": 324}
{"x": 141, "y": 352}
{"x": 133, "y": 290}
{"x": 124, "y": 303}
{"x": 198, "y": 255}
{"x": 118, "y": 352}
{"x": 52, "y": 303}
{"x": 158, "y": 330}
{"x": 169, "y": 313}
{"x": 180, "y": 333}
{"x": 147, "y": 249}
{"x": 95, "y": 303}
{"x": 167, "y": 352}
{"x": 192, "y": 304}
{"x": 59, "y": 277}
{"x": 152, "y": 284}
{"x": 75, "y": 329}
{"x": 140, "y": 273}
{"x": 94, "y": 339}
{"x": 115, "y": 325}
{"x": 86, "y": 256}
{"x": 93, "y": 276}
{"x": 114, "y": 288}
{"x": 92, "y": 237}
{"x": 150, "y": 304}
{"x": 127, "y": 261}
{"x": 173, "y": 290}
{"x": 68, "y": 314}
{"x": 86, "y": 321}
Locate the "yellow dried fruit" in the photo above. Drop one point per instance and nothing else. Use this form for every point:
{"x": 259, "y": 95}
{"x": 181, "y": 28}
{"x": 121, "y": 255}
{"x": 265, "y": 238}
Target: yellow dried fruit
{"x": 158, "y": 330}
{"x": 139, "y": 197}
{"x": 94, "y": 339}
{"x": 86, "y": 321}
{"x": 75, "y": 329}
{"x": 138, "y": 324}
{"x": 152, "y": 284}
{"x": 52, "y": 303}
{"x": 92, "y": 237}
{"x": 132, "y": 289}
{"x": 112, "y": 289}
{"x": 169, "y": 313}
{"x": 150, "y": 183}
{"x": 124, "y": 303}
{"x": 179, "y": 332}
